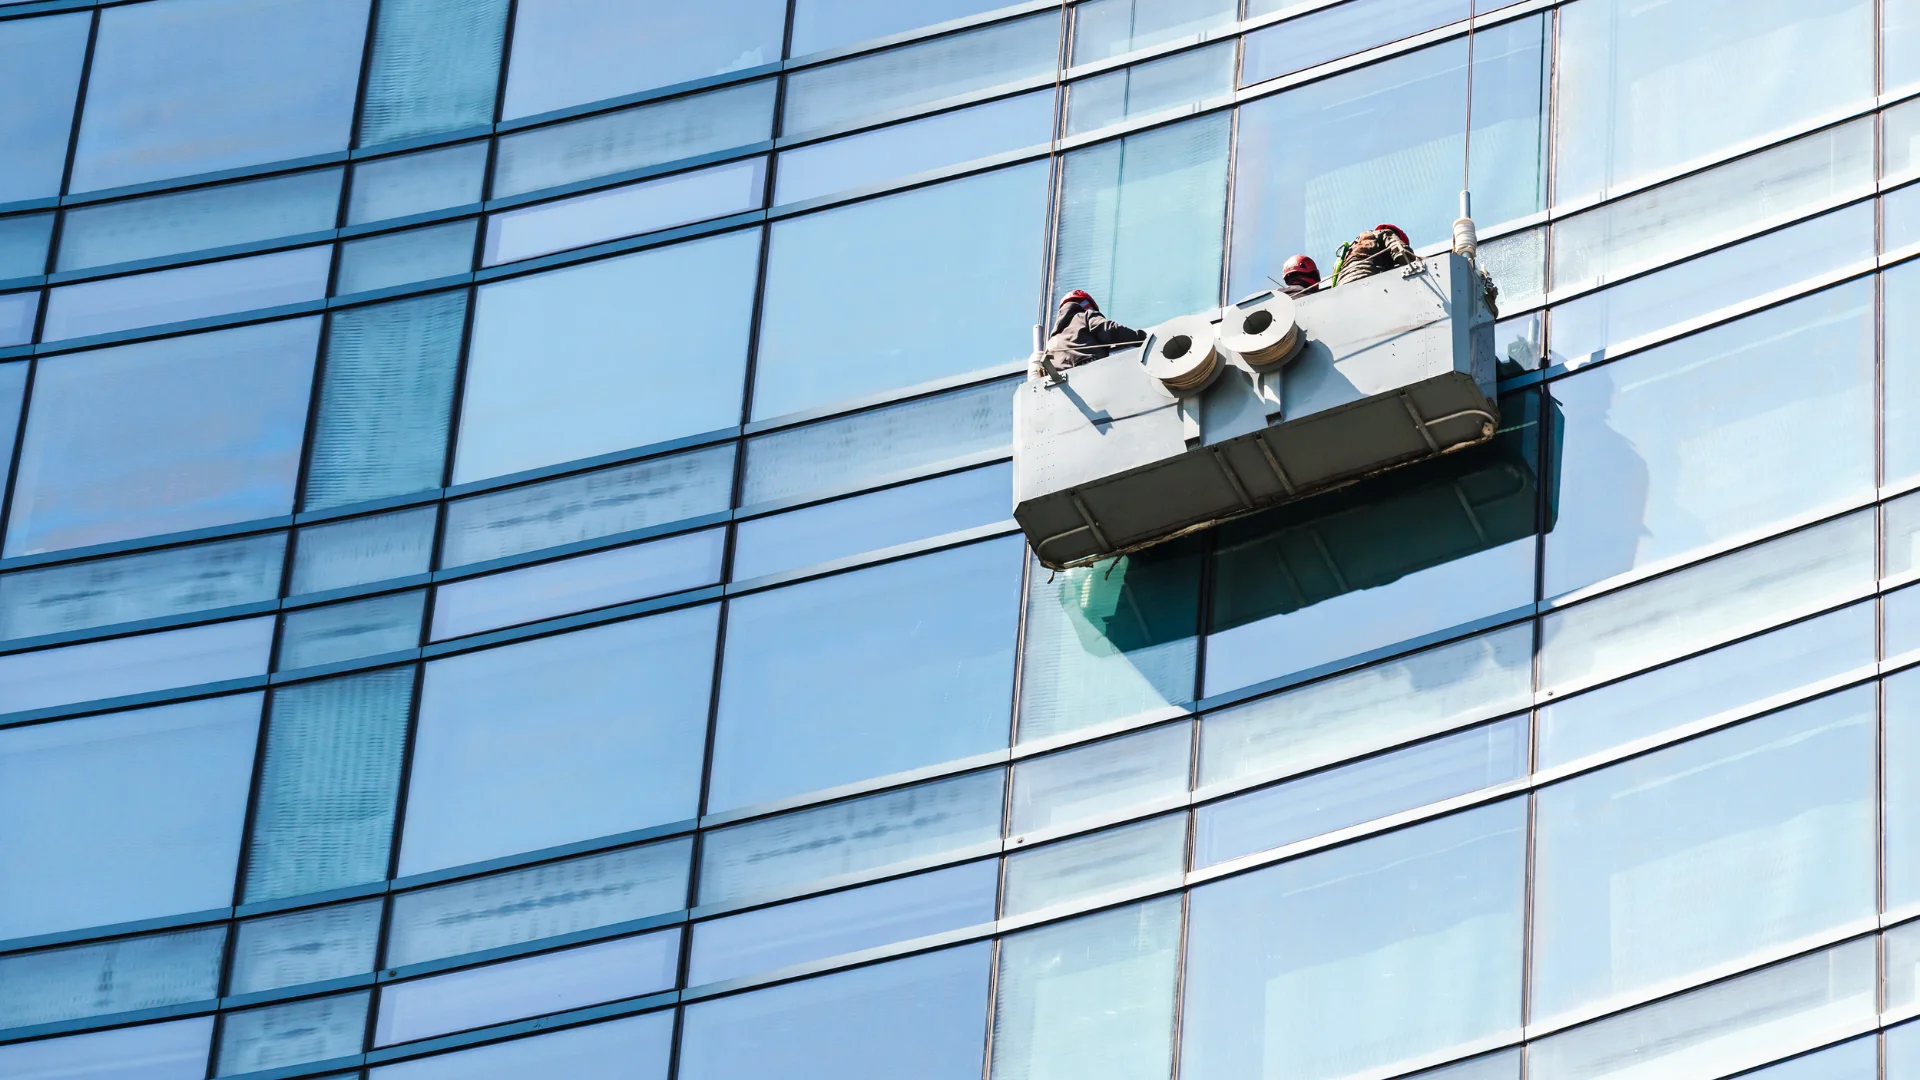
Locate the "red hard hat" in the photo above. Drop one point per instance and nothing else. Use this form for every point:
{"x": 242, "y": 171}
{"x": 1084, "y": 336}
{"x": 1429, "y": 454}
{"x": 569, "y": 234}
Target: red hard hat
{"x": 1395, "y": 230}
{"x": 1300, "y": 264}
{"x": 1079, "y": 296}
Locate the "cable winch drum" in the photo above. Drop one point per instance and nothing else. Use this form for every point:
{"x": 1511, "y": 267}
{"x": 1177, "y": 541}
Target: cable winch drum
{"x": 1181, "y": 354}
{"x": 1264, "y": 334}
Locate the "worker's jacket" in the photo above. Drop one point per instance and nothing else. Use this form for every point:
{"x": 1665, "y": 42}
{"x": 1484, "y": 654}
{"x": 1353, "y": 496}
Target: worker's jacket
{"x": 1373, "y": 252}
{"x": 1081, "y": 333}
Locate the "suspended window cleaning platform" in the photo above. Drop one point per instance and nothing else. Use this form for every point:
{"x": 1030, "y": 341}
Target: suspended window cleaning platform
{"x": 1271, "y": 400}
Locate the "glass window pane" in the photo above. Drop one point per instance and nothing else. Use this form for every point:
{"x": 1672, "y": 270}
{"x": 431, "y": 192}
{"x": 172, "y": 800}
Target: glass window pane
{"x": 1707, "y": 605}
{"x": 1363, "y": 791}
{"x": 1855, "y": 1060}
{"x": 304, "y": 947}
{"x": 1091, "y": 997}
{"x": 879, "y": 446}
{"x": 1723, "y": 1028}
{"x": 626, "y": 211}
{"x": 607, "y": 356}
{"x": 199, "y": 219}
{"x": 18, "y": 311}
{"x": 1652, "y": 85}
{"x": 1903, "y": 967}
{"x": 202, "y": 291}
{"x": 541, "y": 901}
{"x": 172, "y": 581}
{"x": 359, "y": 550}
{"x": 1100, "y": 779}
{"x": 1319, "y": 163}
{"x": 135, "y": 665}
{"x": 924, "y": 1017}
{"x": 110, "y": 977}
{"x": 1086, "y": 869}
{"x": 1107, "y": 28}
{"x": 1903, "y": 1052}
{"x": 1330, "y": 34}
{"x": 872, "y": 523}
{"x": 1704, "y": 854}
{"x": 131, "y": 815}
{"x": 193, "y": 86}
{"x": 1902, "y": 372}
{"x": 581, "y": 583}
{"x": 600, "y": 503}
{"x": 13, "y": 390}
{"x": 1899, "y": 44}
{"x": 1184, "y": 79}
{"x": 1900, "y": 624}
{"x": 292, "y": 1034}
{"x": 1697, "y": 442}
{"x": 975, "y": 245}
{"x": 384, "y": 400}
{"x": 417, "y": 183}
{"x": 1712, "y": 207}
{"x": 313, "y": 636}
{"x": 890, "y": 832}
{"x": 402, "y": 258}
{"x": 531, "y": 986}
{"x": 1903, "y": 789}
{"x": 842, "y": 923}
{"x": 435, "y": 67}
{"x": 39, "y": 78}
{"x": 1900, "y": 218}
{"x": 920, "y": 146}
{"x": 1900, "y": 139}
{"x": 569, "y": 52}
{"x": 327, "y": 784}
{"x": 23, "y": 241}
{"x": 636, "y": 138}
{"x": 559, "y": 739}
{"x": 175, "y": 1051}
{"x": 879, "y": 671}
{"x": 829, "y": 24}
{"x": 1142, "y": 218}
{"x": 632, "y": 1049}
{"x": 1360, "y": 958}
{"x": 1742, "y": 676}
{"x": 913, "y": 77}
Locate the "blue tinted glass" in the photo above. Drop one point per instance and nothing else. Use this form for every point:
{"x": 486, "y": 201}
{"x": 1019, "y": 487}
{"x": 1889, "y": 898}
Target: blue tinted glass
{"x": 435, "y": 67}
{"x": 175, "y": 1051}
{"x": 1338, "y": 31}
{"x": 305, "y": 946}
{"x": 626, "y": 211}
{"x": 828, "y": 24}
{"x": 1902, "y": 371}
{"x": 589, "y": 505}
{"x": 632, "y": 1049}
{"x": 560, "y": 739}
{"x": 23, "y": 243}
{"x": 1318, "y": 164}
{"x": 915, "y": 76}
{"x": 13, "y": 389}
{"x": 122, "y": 975}
{"x": 151, "y": 585}
{"x": 1323, "y": 802}
{"x": 17, "y": 314}
{"x": 384, "y": 400}
{"x": 1363, "y": 959}
{"x": 866, "y": 674}
{"x": 607, "y": 356}
{"x": 325, "y": 815}
{"x": 1671, "y": 450}
{"x": 1903, "y": 1052}
{"x": 1097, "y": 781}
{"x": 919, "y": 146}
{"x": 402, "y": 258}
{"x": 192, "y": 86}
{"x": 163, "y": 436}
{"x": 361, "y": 550}
{"x": 1069, "y": 874}
{"x": 1704, "y": 854}
{"x": 417, "y": 183}
{"x": 1903, "y": 789}
{"x": 198, "y": 219}
{"x": 190, "y": 292}
{"x": 39, "y": 76}
{"x": 580, "y": 583}
{"x": 292, "y": 1034}
{"x": 123, "y": 816}
{"x": 1184, "y": 79}
{"x": 976, "y": 245}
{"x": 844, "y": 922}
{"x": 923, "y": 1017}
{"x": 1900, "y": 218}
{"x": 897, "y": 515}
{"x": 1142, "y": 218}
{"x": 135, "y": 665}
{"x": 327, "y": 635}
{"x": 569, "y": 52}
{"x": 1107, "y": 28}
{"x": 1899, "y": 45}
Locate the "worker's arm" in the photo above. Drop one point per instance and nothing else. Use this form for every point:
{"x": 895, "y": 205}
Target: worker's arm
{"x": 1107, "y": 332}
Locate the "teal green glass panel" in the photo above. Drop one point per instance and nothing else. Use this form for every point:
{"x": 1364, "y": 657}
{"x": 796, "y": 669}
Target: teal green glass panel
{"x": 436, "y": 67}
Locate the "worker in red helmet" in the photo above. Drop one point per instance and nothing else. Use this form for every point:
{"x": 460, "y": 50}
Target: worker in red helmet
{"x": 1301, "y": 274}
{"x": 1080, "y": 333}
{"x": 1380, "y": 248}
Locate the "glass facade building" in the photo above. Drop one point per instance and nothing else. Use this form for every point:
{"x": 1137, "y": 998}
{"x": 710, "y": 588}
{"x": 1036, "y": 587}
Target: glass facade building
{"x": 507, "y": 567}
